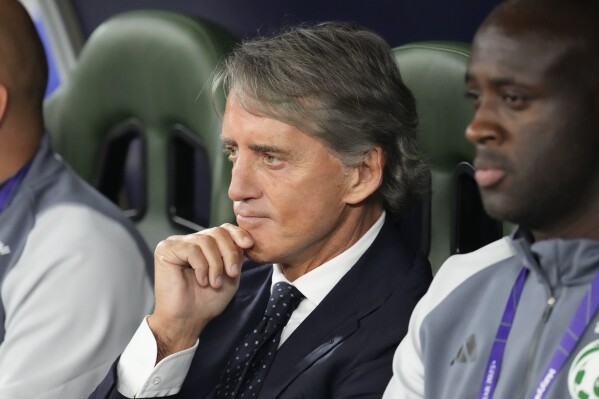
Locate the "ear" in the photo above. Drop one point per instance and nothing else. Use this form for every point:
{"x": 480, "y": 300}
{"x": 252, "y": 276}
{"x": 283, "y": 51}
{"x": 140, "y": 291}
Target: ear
{"x": 367, "y": 177}
{"x": 3, "y": 101}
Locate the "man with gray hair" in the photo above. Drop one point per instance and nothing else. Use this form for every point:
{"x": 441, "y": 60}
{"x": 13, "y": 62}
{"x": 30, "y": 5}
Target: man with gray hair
{"x": 321, "y": 132}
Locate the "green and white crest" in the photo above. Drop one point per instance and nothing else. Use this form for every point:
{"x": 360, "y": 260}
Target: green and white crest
{"x": 583, "y": 377}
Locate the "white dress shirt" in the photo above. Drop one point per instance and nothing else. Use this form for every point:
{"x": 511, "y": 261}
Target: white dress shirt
{"x": 139, "y": 378}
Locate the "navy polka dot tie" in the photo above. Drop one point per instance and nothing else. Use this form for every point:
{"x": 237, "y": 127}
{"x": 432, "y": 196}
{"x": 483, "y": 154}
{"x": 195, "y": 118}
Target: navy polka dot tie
{"x": 247, "y": 368}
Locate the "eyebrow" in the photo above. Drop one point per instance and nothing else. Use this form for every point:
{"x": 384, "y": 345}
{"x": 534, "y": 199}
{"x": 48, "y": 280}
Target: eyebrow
{"x": 257, "y": 147}
{"x": 268, "y": 148}
{"x": 497, "y": 82}
{"x": 226, "y": 141}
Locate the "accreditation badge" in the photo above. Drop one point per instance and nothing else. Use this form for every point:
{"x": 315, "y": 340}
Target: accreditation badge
{"x": 583, "y": 377}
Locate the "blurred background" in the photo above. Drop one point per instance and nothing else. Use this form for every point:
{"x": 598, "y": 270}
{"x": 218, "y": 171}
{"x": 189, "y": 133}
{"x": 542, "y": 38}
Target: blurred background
{"x": 66, "y": 24}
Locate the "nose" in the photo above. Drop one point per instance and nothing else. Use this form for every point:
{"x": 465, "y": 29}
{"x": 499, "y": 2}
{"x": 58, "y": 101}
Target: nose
{"x": 485, "y": 128}
{"x": 244, "y": 184}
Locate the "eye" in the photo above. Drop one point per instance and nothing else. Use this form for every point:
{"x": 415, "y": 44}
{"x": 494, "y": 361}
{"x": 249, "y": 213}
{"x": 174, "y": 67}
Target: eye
{"x": 515, "y": 100}
{"x": 473, "y": 97}
{"x": 271, "y": 160}
{"x": 231, "y": 152}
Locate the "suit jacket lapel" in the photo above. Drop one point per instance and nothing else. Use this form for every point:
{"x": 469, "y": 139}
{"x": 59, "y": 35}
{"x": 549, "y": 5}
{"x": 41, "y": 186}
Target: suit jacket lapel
{"x": 337, "y": 316}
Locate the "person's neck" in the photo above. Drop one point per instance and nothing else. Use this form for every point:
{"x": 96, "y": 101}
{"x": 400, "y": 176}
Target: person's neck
{"x": 584, "y": 224}
{"x": 10, "y": 167}
{"x": 14, "y": 155}
{"x": 354, "y": 227}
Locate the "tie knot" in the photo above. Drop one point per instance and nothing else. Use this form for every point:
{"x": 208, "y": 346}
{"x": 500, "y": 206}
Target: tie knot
{"x": 284, "y": 299}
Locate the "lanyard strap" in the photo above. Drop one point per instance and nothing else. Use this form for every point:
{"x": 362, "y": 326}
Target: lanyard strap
{"x": 11, "y": 184}
{"x": 494, "y": 363}
{"x": 583, "y": 316}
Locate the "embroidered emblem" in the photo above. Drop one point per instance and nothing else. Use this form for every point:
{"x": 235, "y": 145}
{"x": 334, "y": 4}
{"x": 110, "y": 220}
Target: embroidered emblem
{"x": 583, "y": 377}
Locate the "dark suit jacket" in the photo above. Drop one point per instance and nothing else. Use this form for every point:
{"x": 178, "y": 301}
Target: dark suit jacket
{"x": 343, "y": 349}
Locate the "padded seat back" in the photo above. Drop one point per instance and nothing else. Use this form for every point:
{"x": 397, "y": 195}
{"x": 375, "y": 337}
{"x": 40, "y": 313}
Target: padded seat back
{"x": 136, "y": 120}
{"x": 455, "y": 220}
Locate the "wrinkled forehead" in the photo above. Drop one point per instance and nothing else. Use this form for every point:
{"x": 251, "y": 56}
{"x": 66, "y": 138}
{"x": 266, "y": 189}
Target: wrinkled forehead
{"x": 552, "y": 30}
{"x": 523, "y": 47}
{"x": 550, "y": 17}
{"x": 520, "y": 48}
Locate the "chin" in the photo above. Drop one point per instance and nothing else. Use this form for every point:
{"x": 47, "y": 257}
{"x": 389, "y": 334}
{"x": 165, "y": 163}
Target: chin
{"x": 499, "y": 209}
{"x": 258, "y": 255}
{"x": 510, "y": 215}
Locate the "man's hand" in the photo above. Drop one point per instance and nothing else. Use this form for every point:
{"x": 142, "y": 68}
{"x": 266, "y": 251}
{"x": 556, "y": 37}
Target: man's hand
{"x": 196, "y": 277}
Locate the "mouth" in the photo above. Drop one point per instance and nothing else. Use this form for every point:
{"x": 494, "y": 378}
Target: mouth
{"x": 489, "y": 168}
{"x": 248, "y": 216}
{"x": 487, "y": 177}
{"x": 248, "y": 220}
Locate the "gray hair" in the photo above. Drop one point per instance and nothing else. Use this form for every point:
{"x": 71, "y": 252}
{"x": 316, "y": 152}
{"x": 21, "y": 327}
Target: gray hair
{"x": 339, "y": 83}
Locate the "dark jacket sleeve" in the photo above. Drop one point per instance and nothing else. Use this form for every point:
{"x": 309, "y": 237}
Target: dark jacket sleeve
{"x": 107, "y": 388}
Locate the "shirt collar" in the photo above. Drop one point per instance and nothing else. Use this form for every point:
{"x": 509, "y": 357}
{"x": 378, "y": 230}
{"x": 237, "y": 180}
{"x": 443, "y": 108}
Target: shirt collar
{"x": 318, "y": 282}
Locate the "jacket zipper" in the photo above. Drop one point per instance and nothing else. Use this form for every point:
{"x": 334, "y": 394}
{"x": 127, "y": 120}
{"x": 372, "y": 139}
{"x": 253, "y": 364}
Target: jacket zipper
{"x": 549, "y": 305}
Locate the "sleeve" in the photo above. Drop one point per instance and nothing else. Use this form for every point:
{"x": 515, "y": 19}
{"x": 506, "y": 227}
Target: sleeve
{"x": 366, "y": 381}
{"x": 408, "y": 378}
{"x": 407, "y": 381}
{"x": 72, "y": 302}
{"x": 137, "y": 375}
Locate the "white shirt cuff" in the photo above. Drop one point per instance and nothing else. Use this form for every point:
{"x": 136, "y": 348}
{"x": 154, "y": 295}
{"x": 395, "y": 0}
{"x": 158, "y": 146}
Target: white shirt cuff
{"x": 137, "y": 375}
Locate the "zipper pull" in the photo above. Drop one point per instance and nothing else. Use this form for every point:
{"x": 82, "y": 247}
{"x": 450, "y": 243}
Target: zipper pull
{"x": 548, "y": 308}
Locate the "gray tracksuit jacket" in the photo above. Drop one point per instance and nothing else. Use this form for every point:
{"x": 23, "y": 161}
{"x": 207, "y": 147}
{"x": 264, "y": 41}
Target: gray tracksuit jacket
{"x": 75, "y": 281}
{"x": 452, "y": 329}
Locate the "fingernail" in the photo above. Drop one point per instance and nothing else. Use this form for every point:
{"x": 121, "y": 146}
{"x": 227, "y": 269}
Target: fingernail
{"x": 234, "y": 269}
{"x": 204, "y": 281}
{"x": 218, "y": 281}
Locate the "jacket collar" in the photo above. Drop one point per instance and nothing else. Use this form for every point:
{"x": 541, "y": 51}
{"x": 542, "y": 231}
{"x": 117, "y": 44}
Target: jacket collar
{"x": 557, "y": 262}
{"x": 325, "y": 329}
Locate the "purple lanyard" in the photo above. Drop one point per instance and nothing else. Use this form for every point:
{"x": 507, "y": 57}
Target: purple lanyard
{"x": 587, "y": 308}
{"x": 11, "y": 184}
